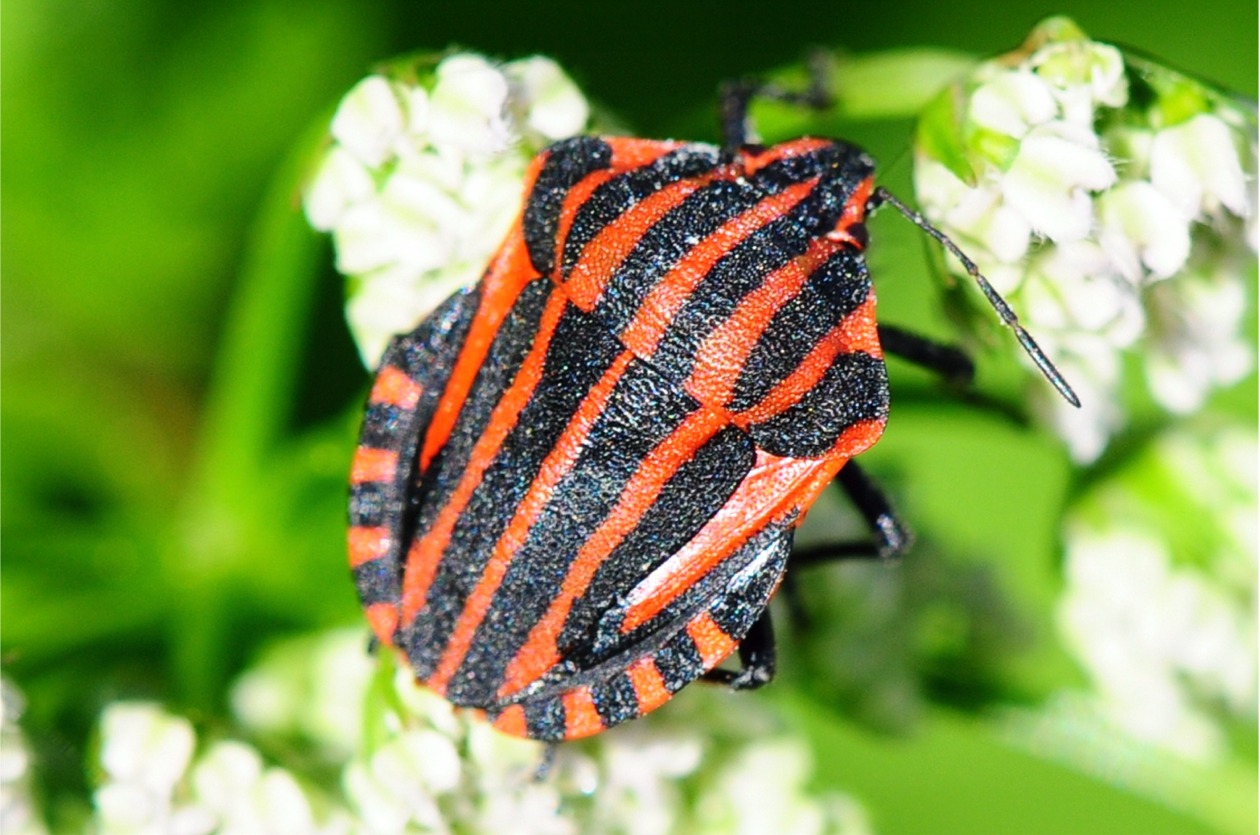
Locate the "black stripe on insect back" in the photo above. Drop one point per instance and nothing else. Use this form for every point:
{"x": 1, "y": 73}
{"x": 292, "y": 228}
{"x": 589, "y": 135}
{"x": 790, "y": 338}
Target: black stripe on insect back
{"x": 667, "y": 242}
{"x": 501, "y": 364}
{"x": 853, "y": 389}
{"x": 499, "y": 367}
{"x": 641, "y": 412}
{"x": 381, "y": 422}
{"x": 837, "y": 288}
{"x": 837, "y": 161}
{"x": 567, "y": 162}
{"x": 425, "y": 357}
{"x": 615, "y": 700}
{"x": 679, "y": 662}
{"x": 576, "y": 357}
{"x": 691, "y": 497}
{"x": 611, "y": 199}
{"x": 768, "y": 548}
{"x": 743, "y": 270}
{"x": 376, "y": 582}
{"x": 545, "y": 718}
{"x": 371, "y": 504}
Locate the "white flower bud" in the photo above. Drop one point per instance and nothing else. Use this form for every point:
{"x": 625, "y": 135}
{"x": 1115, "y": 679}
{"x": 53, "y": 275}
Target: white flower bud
{"x": 423, "y": 182}
{"x": 552, "y": 104}
{"x": 225, "y": 774}
{"x": 1084, "y": 218}
{"x": 1159, "y": 607}
{"x": 341, "y": 182}
{"x": 467, "y": 106}
{"x": 142, "y": 744}
{"x": 1084, "y": 75}
{"x": 1199, "y": 346}
{"x": 1142, "y": 230}
{"x": 1051, "y": 178}
{"x": 1012, "y": 102}
{"x": 369, "y": 120}
{"x": 1196, "y": 166}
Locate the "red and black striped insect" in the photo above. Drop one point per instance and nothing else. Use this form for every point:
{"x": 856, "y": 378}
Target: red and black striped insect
{"x": 578, "y": 481}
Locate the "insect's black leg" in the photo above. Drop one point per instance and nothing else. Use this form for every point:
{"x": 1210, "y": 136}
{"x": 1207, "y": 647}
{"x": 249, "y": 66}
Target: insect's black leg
{"x": 547, "y": 762}
{"x": 733, "y": 100}
{"x": 892, "y": 537}
{"x": 735, "y": 97}
{"x": 952, "y": 364}
{"x": 790, "y": 591}
{"x": 756, "y": 658}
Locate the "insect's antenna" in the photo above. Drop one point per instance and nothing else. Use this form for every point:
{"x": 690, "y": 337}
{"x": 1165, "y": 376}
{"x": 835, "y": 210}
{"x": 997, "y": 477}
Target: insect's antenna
{"x": 1003, "y": 309}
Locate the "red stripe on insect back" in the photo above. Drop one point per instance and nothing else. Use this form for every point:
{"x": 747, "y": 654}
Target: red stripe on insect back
{"x": 555, "y": 466}
{"x": 373, "y": 465}
{"x": 773, "y": 488}
{"x": 754, "y": 162}
{"x": 573, "y": 201}
{"x": 394, "y": 387}
{"x": 854, "y": 440}
{"x": 540, "y": 652}
{"x": 512, "y": 721}
{"x": 711, "y": 642}
{"x": 629, "y": 152}
{"x": 507, "y": 275}
{"x": 721, "y": 357}
{"x": 426, "y": 552}
{"x": 649, "y": 687}
{"x": 854, "y": 212}
{"x": 580, "y": 717}
{"x": 855, "y": 333}
{"x": 601, "y": 257}
{"x": 671, "y": 292}
{"x": 368, "y": 543}
{"x": 383, "y": 618}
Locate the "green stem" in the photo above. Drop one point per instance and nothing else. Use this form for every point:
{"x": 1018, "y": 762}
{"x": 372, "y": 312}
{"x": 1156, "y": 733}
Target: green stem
{"x": 246, "y": 411}
{"x": 257, "y": 367}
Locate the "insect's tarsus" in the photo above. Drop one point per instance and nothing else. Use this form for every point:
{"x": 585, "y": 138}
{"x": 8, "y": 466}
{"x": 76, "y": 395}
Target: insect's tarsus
{"x": 1004, "y": 312}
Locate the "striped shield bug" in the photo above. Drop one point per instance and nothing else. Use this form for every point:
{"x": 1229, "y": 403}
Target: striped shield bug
{"x": 578, "y": 481}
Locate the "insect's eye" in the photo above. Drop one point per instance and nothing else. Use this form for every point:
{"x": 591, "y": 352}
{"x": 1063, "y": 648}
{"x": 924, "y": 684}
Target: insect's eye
{"x": 858, "y": 233}
{"x": 851, "y": 232}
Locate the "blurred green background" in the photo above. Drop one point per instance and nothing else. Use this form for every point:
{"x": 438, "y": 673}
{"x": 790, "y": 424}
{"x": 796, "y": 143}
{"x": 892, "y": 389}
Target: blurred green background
{"x": 177, "y": 425}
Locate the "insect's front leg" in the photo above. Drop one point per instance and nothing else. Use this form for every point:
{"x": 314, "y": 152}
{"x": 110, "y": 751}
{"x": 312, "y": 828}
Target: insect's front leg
{"x": 951, "y": 364}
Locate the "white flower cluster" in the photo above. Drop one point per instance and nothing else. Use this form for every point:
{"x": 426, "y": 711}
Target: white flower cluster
{"x": 1110, "y": 224}
{"x": 154, "y": 786}
{"x": 17, "y": 811}
{"x": 412, "y": 764}
{"x": 1164, "y": 618}
{"x": 423, "y": 178}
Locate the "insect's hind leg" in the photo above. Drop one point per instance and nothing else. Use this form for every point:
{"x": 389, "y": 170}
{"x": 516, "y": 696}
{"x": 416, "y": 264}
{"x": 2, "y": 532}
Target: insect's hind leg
{"x": 892, "y": 538}
{"x": 757, "y": 658}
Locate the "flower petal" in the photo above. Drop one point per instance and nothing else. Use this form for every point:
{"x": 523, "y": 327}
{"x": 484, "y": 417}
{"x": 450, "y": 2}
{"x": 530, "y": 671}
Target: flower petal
{"x": 1196, "y": 166}
{"x": 369, "y": 120}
